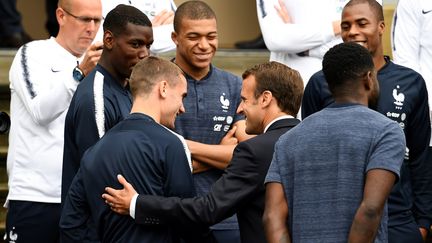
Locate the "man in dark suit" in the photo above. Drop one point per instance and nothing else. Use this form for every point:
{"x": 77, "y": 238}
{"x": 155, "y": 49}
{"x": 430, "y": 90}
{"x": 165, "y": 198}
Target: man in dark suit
{"x": 271, "y": 96}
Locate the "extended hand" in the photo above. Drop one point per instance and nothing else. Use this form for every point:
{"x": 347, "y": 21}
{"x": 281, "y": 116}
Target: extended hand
{"x": 119, "y": 200}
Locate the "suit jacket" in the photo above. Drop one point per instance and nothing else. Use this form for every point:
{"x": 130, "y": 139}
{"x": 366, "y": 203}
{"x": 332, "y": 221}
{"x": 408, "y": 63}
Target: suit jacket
{"x": 239, "y": 190}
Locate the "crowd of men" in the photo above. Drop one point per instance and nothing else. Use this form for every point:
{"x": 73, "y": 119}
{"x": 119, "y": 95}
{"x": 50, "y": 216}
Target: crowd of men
{"x": 111, "y": 144}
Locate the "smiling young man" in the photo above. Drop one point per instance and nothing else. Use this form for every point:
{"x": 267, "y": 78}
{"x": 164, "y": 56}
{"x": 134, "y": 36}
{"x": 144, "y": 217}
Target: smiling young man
{"x": 211, "y": 104}
{"x": 404, "y": 99}
{"x": 144, "y": 149}
{"x": 103, "y": 98}
{"x": 42, "y": 86}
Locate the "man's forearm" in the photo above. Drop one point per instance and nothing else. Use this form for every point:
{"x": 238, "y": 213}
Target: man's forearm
{"x": 275, "y": 214}
{"x": 215, "y": 155}
{"x": 276, "y": 232}
{"x": 365, "y": 225}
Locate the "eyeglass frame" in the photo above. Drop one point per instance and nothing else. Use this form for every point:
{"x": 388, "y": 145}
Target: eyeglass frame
{"x": 84, "y": 19}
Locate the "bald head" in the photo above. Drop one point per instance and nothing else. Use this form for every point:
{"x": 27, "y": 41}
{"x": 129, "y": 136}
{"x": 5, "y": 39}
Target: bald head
{"x": 79, "y": 21}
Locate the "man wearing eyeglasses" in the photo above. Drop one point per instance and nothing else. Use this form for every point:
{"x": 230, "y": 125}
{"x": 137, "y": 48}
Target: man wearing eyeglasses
{"x": 43, "y": 79}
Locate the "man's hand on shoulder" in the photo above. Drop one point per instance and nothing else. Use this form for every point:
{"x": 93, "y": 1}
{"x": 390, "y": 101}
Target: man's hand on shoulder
{"x": 119, "y": 200}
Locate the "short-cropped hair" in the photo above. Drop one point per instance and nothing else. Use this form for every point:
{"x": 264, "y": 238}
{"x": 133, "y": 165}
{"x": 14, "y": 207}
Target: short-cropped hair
{"x": 150, "y": 71}
{"x": 117, "y": 19}
{"x": 345, "y": 64}
{"x": 285, "y": 84}
{"x": 194, "y": 10}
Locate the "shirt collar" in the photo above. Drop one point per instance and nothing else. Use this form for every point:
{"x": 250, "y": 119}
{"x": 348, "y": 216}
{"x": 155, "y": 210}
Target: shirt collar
{"x": 275, "y": 120}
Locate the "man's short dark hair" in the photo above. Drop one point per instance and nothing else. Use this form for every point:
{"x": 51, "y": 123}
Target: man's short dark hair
{"x": 376, "y": 8}
{"x": 344, "y": 65}
{"x": 194, "y": 10}
{"x": 117, "y": 19}
{"x": 285, "y": 84}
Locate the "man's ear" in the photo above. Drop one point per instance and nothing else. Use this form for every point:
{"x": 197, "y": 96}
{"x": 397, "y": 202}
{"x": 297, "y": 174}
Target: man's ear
{"x": 174, "y": 37}
{"x": 163, "y": 86}
{"x": 108, "y": 39}
{"x": 266, "y": 98}
{"x": 381, "y": 27}
{"x": 368, "y": 81}
{"x": 60, "y": 16}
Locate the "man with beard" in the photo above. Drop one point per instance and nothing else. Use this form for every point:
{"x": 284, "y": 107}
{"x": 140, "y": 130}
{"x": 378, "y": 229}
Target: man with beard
{"x": 331, "y": 175}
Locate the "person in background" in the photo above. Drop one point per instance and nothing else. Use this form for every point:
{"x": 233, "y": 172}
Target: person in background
{"x": 404, "y": 99}
{"x": 42, "y": 85}
{"x": 12, "y": 34}
{"x": 331, "y": 175}
{"x": 161, "y": 14}
{"x": 51, "y": 24}
{"x": 411, "y": 35}
{"x": 298, "y": 33}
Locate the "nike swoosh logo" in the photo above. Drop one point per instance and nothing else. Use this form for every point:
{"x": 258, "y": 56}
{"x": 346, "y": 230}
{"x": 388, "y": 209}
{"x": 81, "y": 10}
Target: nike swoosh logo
{"x": 54, "y": 70}
{"x": 425, "y": 12}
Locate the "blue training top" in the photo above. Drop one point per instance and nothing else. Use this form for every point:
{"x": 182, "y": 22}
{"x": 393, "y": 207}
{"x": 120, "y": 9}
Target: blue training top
{"x": 150, "y": 157}
{"x": 404, "y": 99}
{"x": 211, "y": 105}
{"x": 322, "y": 165}
{"x": 81, "y": 128}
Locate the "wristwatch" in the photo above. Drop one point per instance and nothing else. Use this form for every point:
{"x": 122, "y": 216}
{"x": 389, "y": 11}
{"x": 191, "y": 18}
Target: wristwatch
{"x": 77, "y": 74}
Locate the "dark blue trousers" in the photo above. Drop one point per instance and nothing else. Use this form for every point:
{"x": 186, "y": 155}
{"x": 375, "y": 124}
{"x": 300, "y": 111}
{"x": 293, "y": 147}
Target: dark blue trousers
{"x": 405, "y": 233}
{"x": 227, "y": 236}
{"x": 32, "y": 222}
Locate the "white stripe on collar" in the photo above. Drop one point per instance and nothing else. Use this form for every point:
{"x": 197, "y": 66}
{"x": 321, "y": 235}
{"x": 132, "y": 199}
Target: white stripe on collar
{"x": 275, "y": 120}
